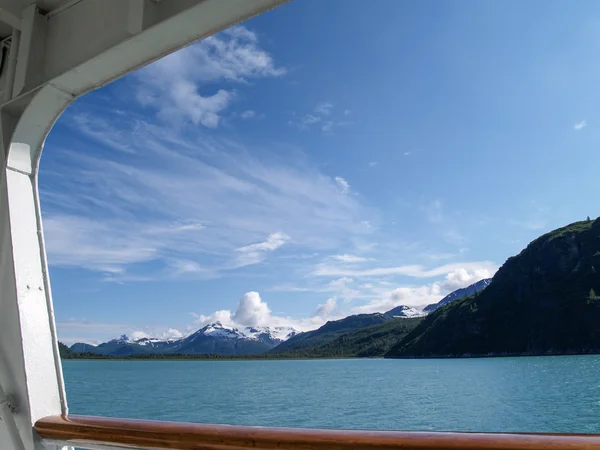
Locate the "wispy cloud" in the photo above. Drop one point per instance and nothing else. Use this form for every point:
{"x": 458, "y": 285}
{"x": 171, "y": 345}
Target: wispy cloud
{"x": 324, "y": 108}
{"x": 349, "y": 259}
{"x": 325, "y": 310}
{"x": 323, "y": 116}
{"x": 343, "y": 185}
{"x": 414, "y": 270}
{"x": 309, "y": 119}
{"x": 342, "y": 287}
{"x": 256, "y": 253}
{"x": 580, "y": 125}
{"x": 177, "y": 85}
{"x": 186, "y": 203}
{"x": 248, "y": 114}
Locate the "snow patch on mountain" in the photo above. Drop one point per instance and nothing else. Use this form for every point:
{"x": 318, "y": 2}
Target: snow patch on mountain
{"x": 273, "y": 333}
{"x": 216, "y": 330}
{"x": 405, "y": 311}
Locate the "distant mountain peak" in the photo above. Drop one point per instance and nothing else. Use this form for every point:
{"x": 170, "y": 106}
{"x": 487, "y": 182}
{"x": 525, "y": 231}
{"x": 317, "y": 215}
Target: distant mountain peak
{"x": 212, "y": 338}
{"x": 459, "y": 294}
{"x": 404, "y": 311}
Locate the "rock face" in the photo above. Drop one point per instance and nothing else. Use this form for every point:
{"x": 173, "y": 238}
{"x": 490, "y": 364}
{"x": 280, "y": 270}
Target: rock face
{"x": 458, "y": 294}
{"x": 544, "y": 300}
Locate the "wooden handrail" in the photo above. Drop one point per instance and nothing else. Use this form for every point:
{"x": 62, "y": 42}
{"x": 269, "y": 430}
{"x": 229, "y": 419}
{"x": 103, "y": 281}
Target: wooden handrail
{"x": 143, "y": 434}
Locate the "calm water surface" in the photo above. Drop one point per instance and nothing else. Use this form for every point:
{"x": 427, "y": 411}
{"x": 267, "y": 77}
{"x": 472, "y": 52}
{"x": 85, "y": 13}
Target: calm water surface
{"x": 550, "y": 394}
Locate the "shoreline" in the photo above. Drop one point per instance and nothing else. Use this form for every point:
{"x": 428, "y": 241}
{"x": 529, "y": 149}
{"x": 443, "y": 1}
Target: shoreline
{"x": 211, "y": 358}
{"x": 309, "y": 358}
{"x": 499, "y": 355}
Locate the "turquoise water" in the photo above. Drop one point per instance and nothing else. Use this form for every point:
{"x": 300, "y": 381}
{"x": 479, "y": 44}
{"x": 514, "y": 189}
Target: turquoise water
{"x": 545, "y": 394}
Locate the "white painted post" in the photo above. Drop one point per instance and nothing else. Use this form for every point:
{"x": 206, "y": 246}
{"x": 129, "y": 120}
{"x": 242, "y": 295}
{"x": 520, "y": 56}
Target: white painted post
{"x": 30, "y": 369}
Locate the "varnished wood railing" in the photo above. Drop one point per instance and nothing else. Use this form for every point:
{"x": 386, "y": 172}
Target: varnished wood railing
{"x": 142, "y": 434}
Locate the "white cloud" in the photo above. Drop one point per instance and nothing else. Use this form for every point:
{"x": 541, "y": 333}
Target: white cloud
{"x": 343, "y": 185}
{"x": 415, "y": 271}
{"x": 135, "y": 335}
{"x": 252, "y": 311}
{"x": 181, "y": 267}
{"x": 308, "y": 120}
{"x": 462, "y": 277}
{"x": 372, "y": 163}
{"x": 172, "y": 333}
{"x": 325, "y": 310}
{"x": 580, "y": 125}
{"x": 256, "y": 253}
{"x": 419, "y": 296}
{"x": 273, "y": 242}
{"x": 416, "y": 296}
{"x": 324, "y": 108}
{"x": 347, "y": 112}
{"x": 248, "y": 114}
{"x": 223, "y": 316}
{"x": 346, "y": 258}
{"x": 175, "y": 85}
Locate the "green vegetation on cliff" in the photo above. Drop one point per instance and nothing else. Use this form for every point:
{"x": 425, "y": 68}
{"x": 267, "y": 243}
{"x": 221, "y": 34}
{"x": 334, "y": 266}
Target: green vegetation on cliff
{"x": 368, "y": 342}
{"x": 65, "y": 352}
{"x": 329, "y": 332}
{"x": 541, "y": 301}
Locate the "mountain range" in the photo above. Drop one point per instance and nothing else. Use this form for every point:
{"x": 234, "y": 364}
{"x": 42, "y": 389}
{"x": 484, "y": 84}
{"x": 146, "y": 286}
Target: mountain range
{"x": 542, "y": 301}
{"x": 214, "y": 338}
{"x": 219, "y": 339}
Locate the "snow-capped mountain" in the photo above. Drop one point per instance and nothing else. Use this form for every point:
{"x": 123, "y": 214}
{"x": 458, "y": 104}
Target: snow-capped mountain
{"x": 405, "y": 311}
{"x": 458, "y": 294}
{"x": 276, "y": 335}
{"x": 218, "y": 330}
{"x": 214, "y": 338}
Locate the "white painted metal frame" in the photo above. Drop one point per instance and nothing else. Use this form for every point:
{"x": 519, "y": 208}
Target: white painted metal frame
{"x": 54, "y": 59}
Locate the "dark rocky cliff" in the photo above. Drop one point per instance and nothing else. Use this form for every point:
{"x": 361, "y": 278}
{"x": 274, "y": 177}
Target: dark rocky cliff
{"x": 544, "y": 300}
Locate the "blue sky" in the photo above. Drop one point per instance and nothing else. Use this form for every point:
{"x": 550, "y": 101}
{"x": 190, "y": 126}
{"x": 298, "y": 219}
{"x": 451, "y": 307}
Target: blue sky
{"x": 328, "y": 157}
